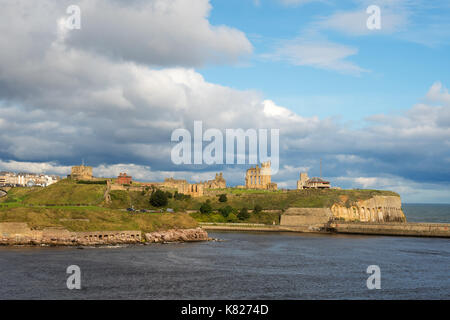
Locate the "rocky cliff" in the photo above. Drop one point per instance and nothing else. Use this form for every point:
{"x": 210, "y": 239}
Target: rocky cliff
{"x": 375, "y": 209}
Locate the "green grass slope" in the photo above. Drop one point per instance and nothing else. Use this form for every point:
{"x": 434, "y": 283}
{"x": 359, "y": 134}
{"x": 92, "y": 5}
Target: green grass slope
{"x": 66, "y": 192}
{"x": 95, "y": 219}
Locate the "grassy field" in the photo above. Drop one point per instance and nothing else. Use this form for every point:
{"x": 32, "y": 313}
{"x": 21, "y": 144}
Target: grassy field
{"x": 63, "y": 192}
{"x": 74, "y": 219}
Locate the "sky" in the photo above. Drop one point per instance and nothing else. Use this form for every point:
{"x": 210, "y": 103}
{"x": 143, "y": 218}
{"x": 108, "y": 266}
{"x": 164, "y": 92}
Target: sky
{"x": 373, "y": 104}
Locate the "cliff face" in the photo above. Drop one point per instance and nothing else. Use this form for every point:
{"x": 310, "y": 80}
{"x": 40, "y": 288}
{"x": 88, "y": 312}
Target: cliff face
{"x": 375, "y": 209}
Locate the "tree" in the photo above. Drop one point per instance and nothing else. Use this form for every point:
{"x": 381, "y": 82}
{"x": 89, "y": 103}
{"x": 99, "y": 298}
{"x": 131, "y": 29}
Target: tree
{"x": 169, "y": 195}
{"x": 206, "y": 207}
{"x": 243, "y": 214}
{"x": 257, "y": 209}
{"x": 159, "y": 199}
{"x": 223, "y": 198}
{"x": 225, "y": 211}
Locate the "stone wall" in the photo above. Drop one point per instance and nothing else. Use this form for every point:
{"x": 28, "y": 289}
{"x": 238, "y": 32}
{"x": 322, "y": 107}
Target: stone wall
{"x": 305, "y": 216}
{"x": 376, "y": 209}
{"x": 397, "y": 229}
{"x": 194, "y": 190}
{"x": 12, "y": 233}
{"x": 81, "y": 173}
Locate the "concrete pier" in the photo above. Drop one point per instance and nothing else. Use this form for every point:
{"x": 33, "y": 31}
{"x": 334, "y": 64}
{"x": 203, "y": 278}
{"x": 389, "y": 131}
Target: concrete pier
{"x": 394, "y": 229}
{"x": 441, "y": 230}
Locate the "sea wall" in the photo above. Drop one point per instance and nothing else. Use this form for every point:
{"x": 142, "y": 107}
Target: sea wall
{"x": 397, "y": 229}
{"x": 375, "y": 209}
{"x": 177, "y": 235}
{"x": 13, "y": 233}
{"x": 305, "y": 216}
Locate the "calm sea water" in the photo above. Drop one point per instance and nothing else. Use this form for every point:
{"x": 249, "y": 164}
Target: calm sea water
{"x": 427, "y": 212}
{"x": 243, "y": 266}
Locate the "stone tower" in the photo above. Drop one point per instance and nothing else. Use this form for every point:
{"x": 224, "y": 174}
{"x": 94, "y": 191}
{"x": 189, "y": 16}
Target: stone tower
{"x": 303, "y": 179}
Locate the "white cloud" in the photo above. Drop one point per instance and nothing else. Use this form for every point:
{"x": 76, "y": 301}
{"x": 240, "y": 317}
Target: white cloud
{"x": 154, "y": 32}
{"x": 65, "y": 101}
{"x": 322, "y": 54}
{"x": 439, "y": 94}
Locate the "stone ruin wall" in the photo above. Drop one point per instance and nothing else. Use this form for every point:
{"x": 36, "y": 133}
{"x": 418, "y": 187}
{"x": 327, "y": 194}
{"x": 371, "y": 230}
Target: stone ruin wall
{"x": 81, "y": 173}
{"x": 13, "y": 233}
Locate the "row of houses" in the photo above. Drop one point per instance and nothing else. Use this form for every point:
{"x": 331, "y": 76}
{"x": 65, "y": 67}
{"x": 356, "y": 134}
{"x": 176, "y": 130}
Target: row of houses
{"x": 23, "y": 179}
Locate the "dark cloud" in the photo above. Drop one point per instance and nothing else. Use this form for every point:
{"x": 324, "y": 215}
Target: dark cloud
{"x": 64, "y": 98}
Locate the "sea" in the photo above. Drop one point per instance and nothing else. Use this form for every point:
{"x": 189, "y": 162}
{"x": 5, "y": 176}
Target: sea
{"x": 246, "y": 265}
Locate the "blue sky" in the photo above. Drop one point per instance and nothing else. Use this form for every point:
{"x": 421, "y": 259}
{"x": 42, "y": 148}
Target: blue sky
{"x": 373, "y": 104}
{"x": 400, "y": 67}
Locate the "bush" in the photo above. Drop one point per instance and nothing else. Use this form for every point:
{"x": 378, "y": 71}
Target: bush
{"x": 232, "y": 218}
{"x": 169, "y": 195}
{"x": 225, "y": 211}
{"x": 206, "y": 207}
{"x": 223, "y": 198}
{"x": 159, "y": 199}
{"x": 91, "y": 182}
{"x": 243, "y": 214}
{"x": 181, "y": 196}
{"x": 257, "y": 209}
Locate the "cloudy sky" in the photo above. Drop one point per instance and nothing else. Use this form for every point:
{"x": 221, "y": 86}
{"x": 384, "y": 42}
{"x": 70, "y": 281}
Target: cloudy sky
{"x": 373, "y": 104}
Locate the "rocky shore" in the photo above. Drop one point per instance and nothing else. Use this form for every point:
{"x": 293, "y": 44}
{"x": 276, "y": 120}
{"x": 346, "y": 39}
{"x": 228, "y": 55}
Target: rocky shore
{"x": 177, "y": 235}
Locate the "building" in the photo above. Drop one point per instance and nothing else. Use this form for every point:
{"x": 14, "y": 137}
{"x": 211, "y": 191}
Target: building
{"x": 81, "y": 173}
{"x": 194, "y": 190}
{"x": 314, "y": 183}
{"x": 173, "y": 183}
{"x": 123, "y": 178}
{"x": 24, "y": 179}
{"x": 218, "y": 182}
{"x": 260, "y": 178}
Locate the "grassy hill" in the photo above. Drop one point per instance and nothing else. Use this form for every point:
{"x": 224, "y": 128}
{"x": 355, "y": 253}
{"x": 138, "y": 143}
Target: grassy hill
{"x": 65, "y": 192}
{"x": 70, "y": 200}
{"x": 68, "y": 192}
{"x": 281, "y": 200}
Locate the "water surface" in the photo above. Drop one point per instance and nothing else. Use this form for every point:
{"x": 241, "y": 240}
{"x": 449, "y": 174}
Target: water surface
{"x": 244, "y": 266}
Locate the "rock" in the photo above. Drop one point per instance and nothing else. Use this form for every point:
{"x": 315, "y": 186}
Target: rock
{"x": 177, "y": 235}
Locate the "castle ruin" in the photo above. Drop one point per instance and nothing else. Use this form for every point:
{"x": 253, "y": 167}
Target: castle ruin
{"x": 260, "y": 178}
{"x": 81, "y": 173}
{"x": 194, "y": 190}
{"x": 218, "y": 182}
